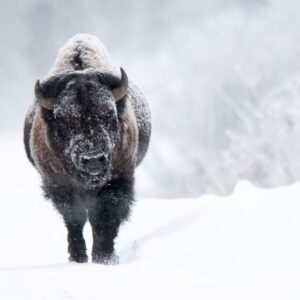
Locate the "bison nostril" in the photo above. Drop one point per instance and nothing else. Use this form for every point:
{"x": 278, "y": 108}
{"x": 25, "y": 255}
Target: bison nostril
{"x": 84, "y": 161}
{"x": 101, "y": 159}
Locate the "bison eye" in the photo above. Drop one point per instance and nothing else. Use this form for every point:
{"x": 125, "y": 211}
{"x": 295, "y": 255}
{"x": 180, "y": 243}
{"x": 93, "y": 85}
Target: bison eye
{"x": 114, "y": 124}
{"x": 47, "y": 115}
{"x": 63, "y": 126}
{"x": 90, "y": 87}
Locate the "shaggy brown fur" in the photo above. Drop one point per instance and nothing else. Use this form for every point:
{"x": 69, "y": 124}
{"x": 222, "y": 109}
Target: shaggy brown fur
{"x": 87, "y": 144}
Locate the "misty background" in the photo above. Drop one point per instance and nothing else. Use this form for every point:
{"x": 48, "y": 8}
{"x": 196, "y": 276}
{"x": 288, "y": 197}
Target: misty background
{"x": 222, "y": 78}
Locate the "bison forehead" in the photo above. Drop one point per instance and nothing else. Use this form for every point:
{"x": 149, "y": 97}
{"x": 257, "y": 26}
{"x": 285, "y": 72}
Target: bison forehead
{"x": 94, "y": 106}
{"x": 67, "y": 108}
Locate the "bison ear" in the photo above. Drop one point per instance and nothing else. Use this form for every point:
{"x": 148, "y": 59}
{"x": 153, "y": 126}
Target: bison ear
{"x": 45, "y": 102}
{"x": 121, "y": 89}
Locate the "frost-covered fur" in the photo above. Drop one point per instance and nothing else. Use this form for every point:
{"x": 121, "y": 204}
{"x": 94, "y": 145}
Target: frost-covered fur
{"x": 87, "y": 122}
{"x": 90, "y": 50}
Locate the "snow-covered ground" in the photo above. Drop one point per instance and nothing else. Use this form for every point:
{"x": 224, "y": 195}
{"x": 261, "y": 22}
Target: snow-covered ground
{"x": 246, "y": 246}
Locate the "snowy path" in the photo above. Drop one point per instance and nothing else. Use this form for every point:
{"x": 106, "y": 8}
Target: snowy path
{"x": 246, "y": 246}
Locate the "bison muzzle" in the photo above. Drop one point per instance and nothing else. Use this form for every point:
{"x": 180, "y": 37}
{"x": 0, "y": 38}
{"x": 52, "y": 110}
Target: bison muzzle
{"x": 86, "y": 132}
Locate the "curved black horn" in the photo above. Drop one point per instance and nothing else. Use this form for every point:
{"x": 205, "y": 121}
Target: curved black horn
{"x": 120, "y": 91}
{"x": 47, "y": 103}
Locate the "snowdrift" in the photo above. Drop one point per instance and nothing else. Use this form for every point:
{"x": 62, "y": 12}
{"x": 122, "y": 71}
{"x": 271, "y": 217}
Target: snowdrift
{"x": 245, "y": 246}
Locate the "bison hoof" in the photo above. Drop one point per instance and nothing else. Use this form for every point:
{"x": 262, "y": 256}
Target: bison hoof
{"x": 79, "y": 259}
{"x": 106, "y": 259}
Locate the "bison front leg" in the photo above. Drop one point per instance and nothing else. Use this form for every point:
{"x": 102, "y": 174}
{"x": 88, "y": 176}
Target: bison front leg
{"x": 76, "y": 244}
{"x": 75, "y": 216}
{"x": 109, "y": 210}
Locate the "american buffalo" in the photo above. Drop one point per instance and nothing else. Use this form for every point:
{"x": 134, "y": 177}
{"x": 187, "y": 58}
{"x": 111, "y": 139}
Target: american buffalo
{"x": 86, "y": 132}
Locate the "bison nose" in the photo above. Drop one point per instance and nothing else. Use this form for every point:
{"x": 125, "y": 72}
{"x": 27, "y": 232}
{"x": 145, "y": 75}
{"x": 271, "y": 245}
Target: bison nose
{"x": 94, "y": 165}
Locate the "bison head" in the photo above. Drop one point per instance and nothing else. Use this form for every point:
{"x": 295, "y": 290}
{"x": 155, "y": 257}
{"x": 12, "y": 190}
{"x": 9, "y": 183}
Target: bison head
{"x": 82, "y": 113}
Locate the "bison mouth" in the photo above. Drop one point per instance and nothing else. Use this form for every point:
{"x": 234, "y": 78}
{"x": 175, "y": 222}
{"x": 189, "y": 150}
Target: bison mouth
{"x": 94, "y": 179}
{"x": 93, "y": 169}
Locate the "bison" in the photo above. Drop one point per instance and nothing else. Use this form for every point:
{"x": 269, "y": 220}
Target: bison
{"x": 86, "y": 132}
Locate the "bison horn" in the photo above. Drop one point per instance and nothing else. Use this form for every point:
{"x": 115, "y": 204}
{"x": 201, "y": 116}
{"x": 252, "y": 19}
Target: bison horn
{"x": 47, "y": 103}
{"x": 120, "y": 91}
